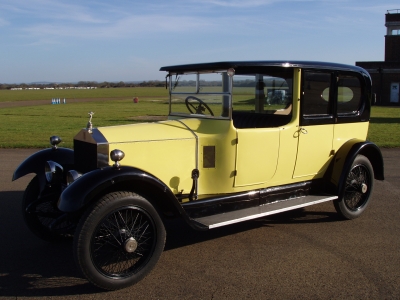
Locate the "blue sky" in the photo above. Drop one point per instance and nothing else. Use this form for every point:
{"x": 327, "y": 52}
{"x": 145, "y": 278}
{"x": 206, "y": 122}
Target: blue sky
{"x": 69, "y": 41}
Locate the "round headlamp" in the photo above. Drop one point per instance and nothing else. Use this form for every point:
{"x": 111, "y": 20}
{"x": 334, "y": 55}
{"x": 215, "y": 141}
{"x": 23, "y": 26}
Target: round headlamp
{"x": 54, "y": 141}
{"x": 116, "y": 156}
{"x": 53, "y": 171}
{"x": 72, "y": 176}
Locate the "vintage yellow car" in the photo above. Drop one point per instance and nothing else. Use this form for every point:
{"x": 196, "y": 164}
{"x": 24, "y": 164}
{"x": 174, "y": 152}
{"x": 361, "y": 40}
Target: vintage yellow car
{"x": 243, "y": 140}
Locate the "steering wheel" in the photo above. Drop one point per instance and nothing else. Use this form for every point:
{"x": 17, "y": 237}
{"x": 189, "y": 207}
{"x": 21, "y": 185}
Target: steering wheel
{"x": 200, "y": 109}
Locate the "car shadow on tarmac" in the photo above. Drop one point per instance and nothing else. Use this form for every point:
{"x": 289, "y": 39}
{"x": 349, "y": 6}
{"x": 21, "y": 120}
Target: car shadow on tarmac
{"x": 35, "y": 268}
{"x": 179, "y": 234}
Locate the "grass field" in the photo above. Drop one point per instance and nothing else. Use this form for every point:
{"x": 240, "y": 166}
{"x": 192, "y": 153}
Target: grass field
{"x": 31, "y": 126}
{"x": 384, "y": 126}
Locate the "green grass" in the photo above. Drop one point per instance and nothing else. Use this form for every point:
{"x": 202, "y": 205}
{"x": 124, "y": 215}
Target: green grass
{"x": 31, "y": 126}
{"x": 128, "y": 93}
{"x": 384, "y": 128}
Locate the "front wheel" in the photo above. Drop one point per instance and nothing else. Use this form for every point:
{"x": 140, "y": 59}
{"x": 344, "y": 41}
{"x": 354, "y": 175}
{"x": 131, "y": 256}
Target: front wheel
{"x": 357, "y": 189}
{"x": 119, "y": 240}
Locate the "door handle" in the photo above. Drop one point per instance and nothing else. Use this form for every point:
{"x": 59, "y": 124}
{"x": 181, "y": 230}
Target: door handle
{"x": 303, "y": 130}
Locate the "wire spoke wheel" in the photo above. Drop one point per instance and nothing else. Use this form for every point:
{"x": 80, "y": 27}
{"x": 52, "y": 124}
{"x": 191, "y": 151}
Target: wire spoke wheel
{"x": 357, "y": 189}
{"x": 119, "y": 240}
{"x": 123, "y": 242}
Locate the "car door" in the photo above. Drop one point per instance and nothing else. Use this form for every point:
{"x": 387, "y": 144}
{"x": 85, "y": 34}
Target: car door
{"x": 257, "y": 155}
{"x": 262, "y": 104}
{"x": 315, "y": 133}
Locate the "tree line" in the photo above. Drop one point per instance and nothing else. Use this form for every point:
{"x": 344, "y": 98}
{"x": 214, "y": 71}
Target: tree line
{"x": 93, "y": 84}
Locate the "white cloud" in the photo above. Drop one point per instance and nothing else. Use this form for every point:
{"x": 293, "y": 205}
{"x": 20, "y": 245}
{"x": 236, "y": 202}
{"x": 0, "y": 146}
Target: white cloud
{"x": 253, "y": 3}
{"x": 380, "y": 8}
{"x": 123, "y": 37}
{"x": 49, "y": 10}
{"x": 134, "y": 25}
{"x": 239, "y": 3}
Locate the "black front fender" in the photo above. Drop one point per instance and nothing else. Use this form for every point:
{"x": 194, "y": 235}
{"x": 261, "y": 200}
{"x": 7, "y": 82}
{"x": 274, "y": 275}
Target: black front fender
{"x": 96, "y": 183}
{"x": 35, "y": 162}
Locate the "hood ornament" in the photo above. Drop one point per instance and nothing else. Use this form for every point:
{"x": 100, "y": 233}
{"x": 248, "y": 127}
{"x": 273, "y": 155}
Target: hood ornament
{"x": 89, "y": 126}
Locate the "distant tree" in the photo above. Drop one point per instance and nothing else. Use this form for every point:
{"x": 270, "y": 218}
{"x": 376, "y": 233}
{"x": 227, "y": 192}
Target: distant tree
{"x": 152, "y": 83}
{"x": 104, "y": 84}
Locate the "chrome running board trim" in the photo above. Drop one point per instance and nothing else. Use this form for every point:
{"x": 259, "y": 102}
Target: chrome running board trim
{"x": 237, "y": 216}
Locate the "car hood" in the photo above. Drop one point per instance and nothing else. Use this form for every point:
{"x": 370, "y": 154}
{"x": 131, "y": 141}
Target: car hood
{"x": 159, "y": 131}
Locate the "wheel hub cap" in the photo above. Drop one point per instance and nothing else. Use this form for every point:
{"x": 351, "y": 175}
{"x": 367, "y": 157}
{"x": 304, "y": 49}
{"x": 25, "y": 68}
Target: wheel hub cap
{"x": 364, "y": 188}
{"x": 130, "y": 245}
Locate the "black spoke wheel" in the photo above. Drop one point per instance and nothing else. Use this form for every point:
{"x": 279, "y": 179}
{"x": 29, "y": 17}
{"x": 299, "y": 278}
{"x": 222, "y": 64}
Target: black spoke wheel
{"x": 200, "y": 108}
{"x": 357, "y": 189}
{"x": 119, "y": 240}
{"x": 40, "y": 214}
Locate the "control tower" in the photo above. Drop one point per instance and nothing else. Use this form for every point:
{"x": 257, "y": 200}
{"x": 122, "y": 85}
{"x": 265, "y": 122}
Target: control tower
{"x": 386, "y": 74}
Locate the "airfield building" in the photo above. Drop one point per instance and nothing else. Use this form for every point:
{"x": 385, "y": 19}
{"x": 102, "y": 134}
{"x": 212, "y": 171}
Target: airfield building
{"x": 386, "y": 74}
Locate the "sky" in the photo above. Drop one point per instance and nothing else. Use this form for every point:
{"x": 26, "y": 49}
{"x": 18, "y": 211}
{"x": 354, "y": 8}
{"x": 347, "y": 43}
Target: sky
{"x": 129, "y": 40}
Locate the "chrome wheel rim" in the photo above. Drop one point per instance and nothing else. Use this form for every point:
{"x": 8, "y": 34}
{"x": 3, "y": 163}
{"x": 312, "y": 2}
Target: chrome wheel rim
{"x": 357, "y": 188}
{"x": 123, "y": 242}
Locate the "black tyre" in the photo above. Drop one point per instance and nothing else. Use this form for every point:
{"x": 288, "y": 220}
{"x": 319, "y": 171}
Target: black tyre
{"x": 40, "y": 213}
{"x": 119, "y": 240}
{"x": 357, "y": 190}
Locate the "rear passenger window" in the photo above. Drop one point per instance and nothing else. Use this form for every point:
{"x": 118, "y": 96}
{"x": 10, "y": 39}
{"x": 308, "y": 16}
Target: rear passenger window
{"x": 349, "y": 94}
{"x": 316, "y": 96}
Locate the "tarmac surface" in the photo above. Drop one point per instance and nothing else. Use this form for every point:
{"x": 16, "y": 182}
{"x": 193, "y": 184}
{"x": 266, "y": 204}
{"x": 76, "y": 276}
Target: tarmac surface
{"x": 304, "y": 254}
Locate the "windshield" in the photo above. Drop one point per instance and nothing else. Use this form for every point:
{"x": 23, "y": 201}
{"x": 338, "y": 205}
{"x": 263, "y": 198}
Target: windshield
{"x": 201, "y": 95}
{"x": 217, "y": 95}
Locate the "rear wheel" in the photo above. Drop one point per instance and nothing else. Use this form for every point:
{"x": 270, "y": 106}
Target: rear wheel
{"x": 357, "y": 189}
{"x": 119, "y": 240}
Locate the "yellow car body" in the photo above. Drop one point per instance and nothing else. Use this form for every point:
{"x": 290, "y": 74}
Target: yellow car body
{"x": 250, "y": 158}
{"x": 243, "y": 140}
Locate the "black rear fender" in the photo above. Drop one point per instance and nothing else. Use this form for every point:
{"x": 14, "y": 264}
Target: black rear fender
{"x": 93, "y": 185}
{"x": 344, "y": 157}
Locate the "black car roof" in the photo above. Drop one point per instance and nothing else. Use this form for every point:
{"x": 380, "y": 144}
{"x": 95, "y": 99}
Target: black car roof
{"x": 224, "y": 65}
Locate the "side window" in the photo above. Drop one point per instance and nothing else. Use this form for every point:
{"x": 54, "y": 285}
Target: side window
{"x": 348, "y": 94}
{"x": 316, "y": 94}
{"x": 262, "y": 100}
{"x": 262, "y": 93}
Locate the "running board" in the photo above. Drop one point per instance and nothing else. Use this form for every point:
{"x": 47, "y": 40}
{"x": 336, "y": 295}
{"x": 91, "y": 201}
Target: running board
{"x": 261, "y": 211}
